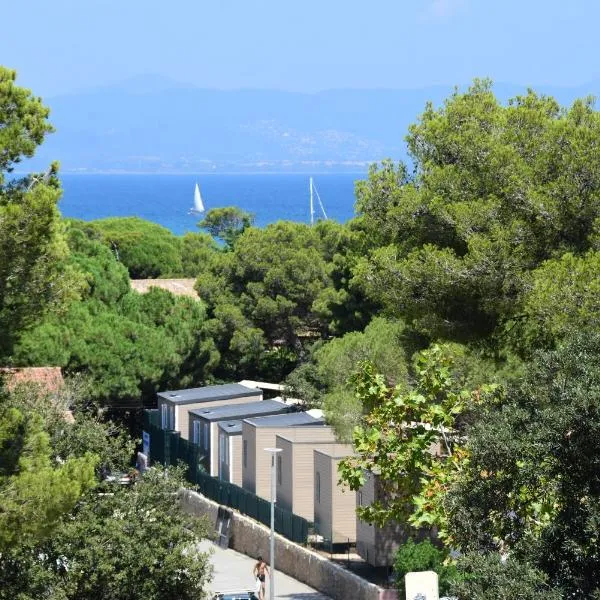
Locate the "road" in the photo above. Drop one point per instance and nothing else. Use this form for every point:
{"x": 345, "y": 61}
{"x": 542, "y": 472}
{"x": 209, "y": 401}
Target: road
{"x": 233, "y": 571}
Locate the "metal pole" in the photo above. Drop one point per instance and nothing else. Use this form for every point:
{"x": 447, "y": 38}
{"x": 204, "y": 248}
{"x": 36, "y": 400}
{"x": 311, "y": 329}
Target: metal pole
{"x": 272, "y": 553}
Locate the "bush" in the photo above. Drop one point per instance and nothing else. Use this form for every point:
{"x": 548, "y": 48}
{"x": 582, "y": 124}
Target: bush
{"x": 487, "y": 577}
{"x": 423, "y": 556}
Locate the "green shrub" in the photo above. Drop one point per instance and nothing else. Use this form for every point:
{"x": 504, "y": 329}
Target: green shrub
{"x": 423, "y": 556}
{"x": 487, "y": 577}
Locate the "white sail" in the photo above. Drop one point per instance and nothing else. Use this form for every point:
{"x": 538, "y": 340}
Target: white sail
{"x": 198, "y": 204}
{"x": 313, "y": 189}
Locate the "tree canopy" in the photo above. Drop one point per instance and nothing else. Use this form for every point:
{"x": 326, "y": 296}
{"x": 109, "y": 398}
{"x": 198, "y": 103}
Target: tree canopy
{"x": 32, "y": 277}
{"x": 497, "y": 190}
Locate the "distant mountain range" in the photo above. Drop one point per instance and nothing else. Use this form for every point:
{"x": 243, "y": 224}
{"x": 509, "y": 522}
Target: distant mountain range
{"x": 152, "y": 124}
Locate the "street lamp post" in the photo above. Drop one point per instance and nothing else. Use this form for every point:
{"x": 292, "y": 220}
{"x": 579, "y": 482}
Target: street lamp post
{"x": 273, "y": 452}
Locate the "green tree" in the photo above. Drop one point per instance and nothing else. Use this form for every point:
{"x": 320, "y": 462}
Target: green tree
{"x": 198, "y": 252}
{"x": 496, "y": 191}
{"x": 532, "y": 483}
{"x": 343, "y": 304}
{"x": 562, "y": 296}
{"x": 35, "y": 491}
{"x": 385, "y": 344}
{"x": 31, "y": 239}
{"x": 261, "y": 303}
{"x": 147, "y": 250}
{"x": 227, "y": 223}
{"x": 133, "y": 543}
{"x": 128, "y": 344}
{"x": 488, "y": 577}
{"x": 412, "y": 440}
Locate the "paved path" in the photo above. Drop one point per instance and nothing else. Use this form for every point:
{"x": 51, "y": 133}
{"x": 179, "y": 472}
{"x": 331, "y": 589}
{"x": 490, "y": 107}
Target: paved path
{"x": 233, "y": 571}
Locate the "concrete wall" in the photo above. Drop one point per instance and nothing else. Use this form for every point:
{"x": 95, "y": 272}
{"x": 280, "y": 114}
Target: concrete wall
{"x": 252, "y": 538}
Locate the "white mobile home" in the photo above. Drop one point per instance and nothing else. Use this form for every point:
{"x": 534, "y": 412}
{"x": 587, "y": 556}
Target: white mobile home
{"x": 203, "y": 426}
{"x": 174, "y": 405}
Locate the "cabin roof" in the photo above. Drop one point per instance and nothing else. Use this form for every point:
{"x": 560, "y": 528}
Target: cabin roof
{"x": 208, "y": 393}
{"x": 285, "y": 420}
{"x": 240, "y": 411}
{"x": 231, "y": 427}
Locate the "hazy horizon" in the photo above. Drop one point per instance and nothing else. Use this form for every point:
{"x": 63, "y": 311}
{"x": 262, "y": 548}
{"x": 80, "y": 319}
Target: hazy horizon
{"x": 301, "y": 47}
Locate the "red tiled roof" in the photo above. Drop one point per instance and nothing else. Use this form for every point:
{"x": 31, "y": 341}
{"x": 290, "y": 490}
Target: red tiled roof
{"x": 49, "y": 378}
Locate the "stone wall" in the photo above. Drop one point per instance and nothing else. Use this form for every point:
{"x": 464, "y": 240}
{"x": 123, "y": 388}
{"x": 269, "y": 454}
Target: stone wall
{"x": 252, "y": 538}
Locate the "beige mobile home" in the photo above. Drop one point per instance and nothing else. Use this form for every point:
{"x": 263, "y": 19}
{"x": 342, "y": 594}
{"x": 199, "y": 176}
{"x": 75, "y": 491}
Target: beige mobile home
{"x": 230, "y": 451}
{"x": 376, "y": 545}
{"x": 173, "y": 406}
{"x": 259, "y": 433}
{"x": 203, "y": 426}
{"x": 335, "y": 505}
{"x": 295, "y": 467}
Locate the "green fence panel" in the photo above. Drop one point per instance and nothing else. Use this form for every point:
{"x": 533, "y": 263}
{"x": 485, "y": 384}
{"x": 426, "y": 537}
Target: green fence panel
{"x": 169, "y": 448}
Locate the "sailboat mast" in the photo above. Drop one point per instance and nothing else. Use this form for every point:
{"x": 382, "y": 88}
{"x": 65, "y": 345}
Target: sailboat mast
{"x": 312, "y": 209}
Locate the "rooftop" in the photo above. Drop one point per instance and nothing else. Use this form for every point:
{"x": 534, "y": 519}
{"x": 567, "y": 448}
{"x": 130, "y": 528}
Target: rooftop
{"x": 209, "y": 393}
{"x": 179, "y": 287}
{"x": 263, "y": 385}
{"x": 49, "y": 379}
{"x": 322, "y": 435}
{"x": 286, "y": 420}
{"x": 240, "y": 411}
{"x": 231, "y": 427}
{"x": 336, "y": 450}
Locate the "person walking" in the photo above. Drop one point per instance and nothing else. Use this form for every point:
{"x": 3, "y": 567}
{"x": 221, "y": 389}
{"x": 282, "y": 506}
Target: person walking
{"x": 260, "y": 571}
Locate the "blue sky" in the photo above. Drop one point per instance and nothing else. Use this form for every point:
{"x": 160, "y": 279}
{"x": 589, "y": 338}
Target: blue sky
{"x": 303, "y": 45}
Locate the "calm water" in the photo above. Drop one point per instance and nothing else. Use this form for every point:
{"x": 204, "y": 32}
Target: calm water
{"x": 166, "y": 199}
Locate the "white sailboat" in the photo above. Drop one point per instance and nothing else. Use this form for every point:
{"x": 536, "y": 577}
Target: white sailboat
{"x": 314, "y": 192}
{"x": 198, "y": 204}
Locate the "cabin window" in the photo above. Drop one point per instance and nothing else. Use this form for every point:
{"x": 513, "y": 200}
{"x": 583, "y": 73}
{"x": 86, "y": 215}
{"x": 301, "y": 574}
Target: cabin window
{"x": 205, "y": 436}
{"x": 167, "y": 417}
{"x": 196, "y": 432}
{"x": 245, "y": 453}
{"x": 279, "y": 476}
{"x": 223, "y": 449}
{"x": 318, "y": 487}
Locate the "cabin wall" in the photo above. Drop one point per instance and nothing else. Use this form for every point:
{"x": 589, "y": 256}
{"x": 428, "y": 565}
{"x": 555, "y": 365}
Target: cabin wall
{"x": 235, "y": 459}
{"x": 285, "y": 476}
{"x": 265, "y": 438}
{"x": 343, "y": 501}
{"x": 323, "y": 507}
{"x": 377, "y": 545}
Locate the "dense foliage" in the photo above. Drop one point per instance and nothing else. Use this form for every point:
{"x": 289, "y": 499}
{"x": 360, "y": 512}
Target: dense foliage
{"x": 64, "y": 531}
{"x": 32, "y": 277}
{"x": 146, "y": 249}
{"x": 128, "y": 344}
{"x": 450, "y": 331}
{"x": 423, "y": 556}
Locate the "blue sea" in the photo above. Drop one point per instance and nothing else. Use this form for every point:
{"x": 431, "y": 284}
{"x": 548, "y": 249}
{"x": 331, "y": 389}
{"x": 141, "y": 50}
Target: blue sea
{"x": 166, "y": 199}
